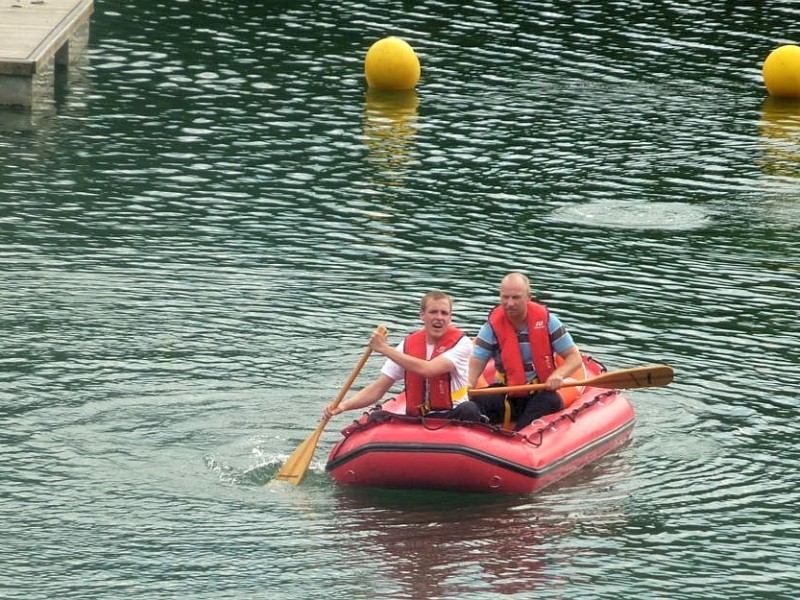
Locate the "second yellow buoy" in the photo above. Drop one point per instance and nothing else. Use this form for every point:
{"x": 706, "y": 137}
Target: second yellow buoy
{"x": 391, "y": 64}
{"x": 782, "y": 72}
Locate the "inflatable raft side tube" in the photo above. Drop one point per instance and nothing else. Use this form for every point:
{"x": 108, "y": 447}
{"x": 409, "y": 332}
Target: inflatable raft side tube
{"x": 340, "y": 461}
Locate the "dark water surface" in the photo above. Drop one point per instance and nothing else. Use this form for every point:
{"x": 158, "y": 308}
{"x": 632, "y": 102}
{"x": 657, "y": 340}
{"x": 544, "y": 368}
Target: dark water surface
{"x": 198, "y": 238}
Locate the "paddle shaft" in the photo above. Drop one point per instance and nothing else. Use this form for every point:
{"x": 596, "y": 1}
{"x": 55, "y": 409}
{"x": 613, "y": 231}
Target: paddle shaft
{"x": 294, "y": 469}
{"x": 637, "y": 377}
{"x": 356, "y": 370}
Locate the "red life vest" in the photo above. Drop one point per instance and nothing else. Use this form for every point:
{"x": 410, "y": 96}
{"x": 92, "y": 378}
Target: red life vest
{"x": 438, "y": 387}
{"x": 538, "y": 336}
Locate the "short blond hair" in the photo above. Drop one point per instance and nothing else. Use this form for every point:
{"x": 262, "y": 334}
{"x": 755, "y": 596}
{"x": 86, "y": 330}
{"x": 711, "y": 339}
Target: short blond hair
{"x": 434, "y": 295}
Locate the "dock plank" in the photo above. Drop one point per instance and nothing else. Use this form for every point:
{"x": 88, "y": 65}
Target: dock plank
{"x": 32, "y": 31}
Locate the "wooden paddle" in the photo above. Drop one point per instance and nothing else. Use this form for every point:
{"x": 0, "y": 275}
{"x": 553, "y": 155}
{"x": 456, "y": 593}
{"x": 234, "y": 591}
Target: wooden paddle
{"x": 297, "y": 464}
{"x": 624, "y": 379}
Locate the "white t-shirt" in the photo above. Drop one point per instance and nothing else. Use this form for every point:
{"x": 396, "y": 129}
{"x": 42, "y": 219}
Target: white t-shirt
{"x": 458, "y": 355}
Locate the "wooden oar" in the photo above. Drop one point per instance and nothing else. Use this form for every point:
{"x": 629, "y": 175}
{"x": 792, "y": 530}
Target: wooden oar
{"x": 624, "y": 379}
{"x": 297, "y": 464}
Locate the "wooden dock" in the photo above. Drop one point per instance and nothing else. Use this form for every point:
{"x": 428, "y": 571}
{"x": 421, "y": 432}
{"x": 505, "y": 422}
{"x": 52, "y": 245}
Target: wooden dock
{"x": 36, "y": 36}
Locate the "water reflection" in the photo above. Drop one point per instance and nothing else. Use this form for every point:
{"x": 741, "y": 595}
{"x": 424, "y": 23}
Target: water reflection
{"x": 440, "y": 544}
{"x": 779, "y": 129}
{"x": 16, "y": 118}
{"x": 390, "y": 131}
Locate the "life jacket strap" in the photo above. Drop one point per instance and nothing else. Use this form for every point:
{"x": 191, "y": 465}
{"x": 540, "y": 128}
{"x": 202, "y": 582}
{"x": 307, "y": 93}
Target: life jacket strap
{"x": 425, "y": 407}
{"x": 507, "y": 407}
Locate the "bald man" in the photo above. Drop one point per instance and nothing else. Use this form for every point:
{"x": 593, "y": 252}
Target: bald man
{"x": 522, "y": 337}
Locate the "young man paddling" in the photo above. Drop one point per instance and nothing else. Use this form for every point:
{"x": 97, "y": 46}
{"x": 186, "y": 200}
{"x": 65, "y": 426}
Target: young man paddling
{"x": 523, "y": 338}
{"x": 433, "y": 361}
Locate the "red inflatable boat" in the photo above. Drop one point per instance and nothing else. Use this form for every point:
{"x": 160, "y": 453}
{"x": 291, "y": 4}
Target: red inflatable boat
{"x": 385, "y": 448}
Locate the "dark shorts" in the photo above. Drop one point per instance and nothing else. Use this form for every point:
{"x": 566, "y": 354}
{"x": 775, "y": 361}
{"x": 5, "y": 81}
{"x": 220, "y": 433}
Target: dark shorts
{"x": 463, "y": 411}
{"x": 524, "y": 409}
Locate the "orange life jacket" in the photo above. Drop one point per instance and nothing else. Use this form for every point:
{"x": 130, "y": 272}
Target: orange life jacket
{"x": 538, "y": 336}
{"x": 439, "y": 387}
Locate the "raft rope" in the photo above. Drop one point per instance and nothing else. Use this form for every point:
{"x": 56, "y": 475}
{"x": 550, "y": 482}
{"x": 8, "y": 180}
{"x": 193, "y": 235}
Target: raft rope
{"x": 377, "y": 415}
{"x": 537, "y": 437}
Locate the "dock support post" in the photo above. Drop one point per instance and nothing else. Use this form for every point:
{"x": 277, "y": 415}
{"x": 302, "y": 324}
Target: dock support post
{"x": 29, "y": 90}
{"x": 30, "y": 53}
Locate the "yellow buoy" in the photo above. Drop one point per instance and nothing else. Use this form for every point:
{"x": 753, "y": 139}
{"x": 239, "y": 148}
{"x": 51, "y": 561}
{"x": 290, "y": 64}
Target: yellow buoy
{"x": 391, "y": 64}
{"x": 782, "y": 72}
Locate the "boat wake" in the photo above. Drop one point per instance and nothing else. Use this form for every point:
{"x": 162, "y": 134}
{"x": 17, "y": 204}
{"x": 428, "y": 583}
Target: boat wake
{"x": 634, "y": 215}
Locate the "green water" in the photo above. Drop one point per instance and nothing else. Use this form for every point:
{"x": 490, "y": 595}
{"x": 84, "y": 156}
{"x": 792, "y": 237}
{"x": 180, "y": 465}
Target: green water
{"x": 198, "y": 237}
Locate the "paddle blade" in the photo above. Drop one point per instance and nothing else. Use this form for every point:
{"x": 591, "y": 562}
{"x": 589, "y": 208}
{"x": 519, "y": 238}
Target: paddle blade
{"x": 637, "y": 377}
{"x": 297, "y": 464}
